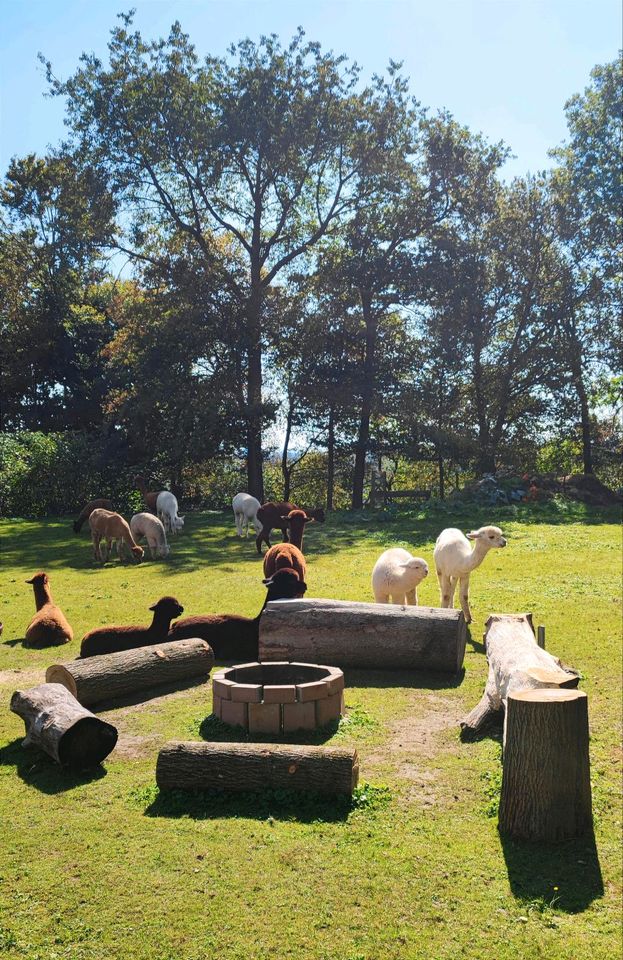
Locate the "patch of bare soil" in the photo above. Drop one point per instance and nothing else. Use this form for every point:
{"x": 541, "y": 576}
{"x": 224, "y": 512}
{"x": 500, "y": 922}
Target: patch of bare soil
{"x": 22, "y": 678}
{"x": 132, "y": 747}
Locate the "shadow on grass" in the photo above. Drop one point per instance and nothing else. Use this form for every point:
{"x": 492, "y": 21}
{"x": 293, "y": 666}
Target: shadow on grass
{"x": 265, "y": 805}
{"x": 564, "y": 876}
{"x": 418, "y": 679}
{"x": 215, "y": 731}
{"x": 40, "y": 771}
{"x": 150, "y": 693}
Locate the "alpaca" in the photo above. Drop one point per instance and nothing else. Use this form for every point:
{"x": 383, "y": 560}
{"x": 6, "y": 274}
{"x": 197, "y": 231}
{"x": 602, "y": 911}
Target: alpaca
{"x": 88, "y": 510}
{"x": 397, "y": 574}
{"x": 284, "y": 556}
{"x": 112, "y": 639}
{"x": 233, "y": 637}
{"x": 166, "y": 508}
{"x": 274, "y": 514}
{"x": 455, "y": 560}
{"x": 48, "y": 627}
{"x": 151, "y": 528}
{"x": 245, "y": 509}
{"x": 149, "y": 496}
{"x": 111, "y": 526}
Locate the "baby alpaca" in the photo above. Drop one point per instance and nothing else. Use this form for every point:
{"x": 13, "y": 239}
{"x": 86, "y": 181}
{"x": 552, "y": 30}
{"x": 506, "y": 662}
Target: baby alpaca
{"x": 150, "y": 527}
{"x": 396, "y": 574}
{"x": 48, "y": 627}
{"x": 455, "y": 560}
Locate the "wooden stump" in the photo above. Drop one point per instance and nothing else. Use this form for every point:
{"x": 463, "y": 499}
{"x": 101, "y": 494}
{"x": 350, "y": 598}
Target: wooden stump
{"x": 516, "y": 662}
{"x": 238, "y": 767}
{"x": 363, "y": 635}
{"x": 114, "y": 675}
{"x": 57, "y": 723}
{"x": 546, "y": 789}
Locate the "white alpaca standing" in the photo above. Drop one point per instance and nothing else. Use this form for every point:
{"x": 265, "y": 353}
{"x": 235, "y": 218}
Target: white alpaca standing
{"x": 151, "y": 528}
{"x": 455, "y": 560}
{"x": 245, "y": 509}
{"x": 397, "y": 574}
{"x": 166, "y": 509}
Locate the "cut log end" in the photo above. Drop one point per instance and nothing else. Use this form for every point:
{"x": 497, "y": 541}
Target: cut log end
{"x": 548, "y": 695}
{"x": 57, "y": 673}
{"x": 88, "y": 742}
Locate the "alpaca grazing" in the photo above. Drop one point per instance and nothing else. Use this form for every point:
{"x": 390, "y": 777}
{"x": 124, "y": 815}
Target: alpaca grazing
{"x": 397, "y": 574}
{"x": 88, "y": 510}
{"x": 145, "y": 525}
{"x": 455, "y": 560}
{"x": 109, "y": 526}
{"x": 112, "y": 639}
{"x": 166, "y": 508}
{"x": 149, "y": 496}
{"x": 245, "y": 509}
{"x": 274, "y": 514}
{"x": 48, "y": 627}
{"x": 233, "y": 637}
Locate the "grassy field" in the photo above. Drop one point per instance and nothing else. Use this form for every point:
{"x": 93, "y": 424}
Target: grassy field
{"x": 100, "y": 866}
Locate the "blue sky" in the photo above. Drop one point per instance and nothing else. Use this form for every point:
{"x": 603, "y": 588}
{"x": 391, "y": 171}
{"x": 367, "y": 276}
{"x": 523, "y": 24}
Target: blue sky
{"x": 503, "y": 67}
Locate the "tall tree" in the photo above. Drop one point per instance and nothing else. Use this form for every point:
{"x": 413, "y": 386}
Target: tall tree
{"x": 263, "y": 147}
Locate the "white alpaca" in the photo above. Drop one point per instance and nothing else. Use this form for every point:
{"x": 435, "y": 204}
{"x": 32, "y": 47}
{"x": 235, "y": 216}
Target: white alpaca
{"x": 145, "y": 525}
{"x": 397, "y": 574}
{"x": 455, "y": 560}
{"x": 245, "y": 509}
{"x": 166, "y": 508}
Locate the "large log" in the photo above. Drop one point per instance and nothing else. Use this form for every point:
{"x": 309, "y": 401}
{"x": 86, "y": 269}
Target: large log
{"x": 516, "y": 662}
{"x": 252, "y": 767}
{"x": 57, "y": 723}
{"x": 366, "y": 635}
{"x": 546, "y": 787}
{"x": 114, "y": 675}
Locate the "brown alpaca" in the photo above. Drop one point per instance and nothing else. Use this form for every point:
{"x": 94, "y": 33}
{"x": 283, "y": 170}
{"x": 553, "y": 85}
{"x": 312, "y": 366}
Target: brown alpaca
{"x": 109, "y": 526}
{"x": 88, "y": 510}
{"x": 274, "y": 515}
{"x": 112, "y": 639}
{"x": 284, "y": 556}
{"x": 48, "y": 627}
{"x": 149, "y": 496}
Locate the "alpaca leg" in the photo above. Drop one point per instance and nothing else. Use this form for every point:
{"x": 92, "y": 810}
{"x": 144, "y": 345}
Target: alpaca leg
{"x": 412, "y": 597}
{"x": 152, "y": 548}
{"x": 380, "y": 597}
{"x": 453, "y": 583}
{"x": 399, "y": 599}
{"x": 96, "y": 546}
{"x": 464, "y": 595}
{"x": 444, "y": 589}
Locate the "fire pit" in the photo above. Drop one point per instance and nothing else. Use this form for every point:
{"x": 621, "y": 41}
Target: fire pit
{"x": 278, "y": 697}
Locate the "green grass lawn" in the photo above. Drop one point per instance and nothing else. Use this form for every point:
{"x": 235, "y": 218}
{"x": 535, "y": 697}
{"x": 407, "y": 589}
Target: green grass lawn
{"x": 99, "y": 866}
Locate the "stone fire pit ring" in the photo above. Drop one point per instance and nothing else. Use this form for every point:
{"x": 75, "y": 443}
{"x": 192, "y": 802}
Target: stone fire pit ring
{"x": 279, "y": 697}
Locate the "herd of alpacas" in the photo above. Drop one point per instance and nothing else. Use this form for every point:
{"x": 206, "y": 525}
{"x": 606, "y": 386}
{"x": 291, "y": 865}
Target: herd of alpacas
{"x": 395, "y": 577}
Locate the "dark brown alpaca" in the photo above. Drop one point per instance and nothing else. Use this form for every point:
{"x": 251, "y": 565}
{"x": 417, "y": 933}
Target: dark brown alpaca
{"x": 149, "y": 496}
{"x": 92, "y": 505}
{"x": 274, "y": 515}
{"x": 112, "y": 639}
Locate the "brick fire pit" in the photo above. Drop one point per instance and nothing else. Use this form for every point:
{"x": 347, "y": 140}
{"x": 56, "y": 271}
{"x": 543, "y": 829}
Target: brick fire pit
{"x": 278, "y": 697}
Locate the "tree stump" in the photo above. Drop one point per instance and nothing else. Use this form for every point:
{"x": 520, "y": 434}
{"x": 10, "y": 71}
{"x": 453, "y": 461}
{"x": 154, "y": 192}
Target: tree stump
{"x": 363, "y": 635}
{"x": 114, "y": 675}
{"x": 57, "y": 723}
{"x": 516, "y": 662}
{"x": 238, "y": 767}
{"x": 546, "y": 789}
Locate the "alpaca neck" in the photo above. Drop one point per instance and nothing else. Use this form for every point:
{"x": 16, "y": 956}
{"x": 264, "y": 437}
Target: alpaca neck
{"x": 161, "y": 622}
{"x": 296, "y": 537}
{"x": 42, "y": 595}
{"x": 477, "y": 555}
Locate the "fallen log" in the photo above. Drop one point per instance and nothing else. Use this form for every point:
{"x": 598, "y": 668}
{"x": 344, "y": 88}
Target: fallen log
{"x": 114, "y": 675}
{"x": 516, "y": 662}
{"x": 57, "y": 724}
{"x": 238, "y": 767}
{"x": 363, "y": 635}
{"x": 546, "y": 787}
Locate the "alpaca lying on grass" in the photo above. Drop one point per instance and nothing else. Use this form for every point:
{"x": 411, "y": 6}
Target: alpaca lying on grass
{"x": 48, "y": 627}
{"x": 455, "y": 560}
{"x": 112, "y": 639}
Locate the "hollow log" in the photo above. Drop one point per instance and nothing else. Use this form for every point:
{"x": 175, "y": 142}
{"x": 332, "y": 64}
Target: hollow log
{"x": 60, "y": 726}
{"x": 546, "y": 788}
{"x": 516, "y": 662}
{"x": 363, "y": 635}
{"x": 237, "y": 767}
{"x": 114, "y": 675}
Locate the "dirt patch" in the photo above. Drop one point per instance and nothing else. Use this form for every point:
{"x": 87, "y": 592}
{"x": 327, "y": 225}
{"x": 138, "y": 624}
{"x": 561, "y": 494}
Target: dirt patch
{"x": 22, "y": 678}
{"x": 132, "y": 747}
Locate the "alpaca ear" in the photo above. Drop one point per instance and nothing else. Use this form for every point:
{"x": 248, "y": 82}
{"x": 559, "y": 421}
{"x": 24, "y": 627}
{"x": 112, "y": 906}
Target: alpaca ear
{"x": 267, "y": 582}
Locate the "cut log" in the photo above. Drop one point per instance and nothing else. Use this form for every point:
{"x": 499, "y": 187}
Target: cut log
{"x": 238, "y": 767}
{"x": 363, "y": 635}
{"x": 546, "y": 787}
{"x": 57, "y": 723}
{"x": 114, "y": 675}
{"x": 516, "y": 662}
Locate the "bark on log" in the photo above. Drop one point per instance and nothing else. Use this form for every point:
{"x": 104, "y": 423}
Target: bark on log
{"x": 516, "y": 662}
{"x": 546, "y": 788}
{"x": 239, "y": 767}
{"x": 57, "y": 723}
{"x": 115, "y": 675}
{"x": 363, "y": 635}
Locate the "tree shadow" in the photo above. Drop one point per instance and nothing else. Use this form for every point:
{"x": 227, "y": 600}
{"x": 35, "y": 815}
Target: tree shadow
{"x": 564, "y": 876}
{"x": 144, "y": 696}
{"x": 214, "y": 730}
{"x": 419, "y": 679}
{"x": 38, "y": 770}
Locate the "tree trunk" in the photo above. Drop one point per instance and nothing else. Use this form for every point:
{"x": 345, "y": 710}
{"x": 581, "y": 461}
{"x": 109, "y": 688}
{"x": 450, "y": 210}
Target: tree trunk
{"x": 286, "y": 471}
{"x": 113, "y": 675}
{"x": 363, "y": 635}
{"x": 516, "y": 662}
{"x": 585, "y": 420}
{"x": 367, "y": 394}
{"x": 442, "y": 478}
{"x": 57, "y": 724}
{"x": 255, "y": 474}
{"x": 331, "y": 459}
{"x": 256, "y": 766}
{"x": 546, "y": 788}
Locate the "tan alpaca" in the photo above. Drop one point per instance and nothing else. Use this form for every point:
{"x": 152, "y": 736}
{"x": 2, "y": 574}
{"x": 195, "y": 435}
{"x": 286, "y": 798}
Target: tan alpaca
{"x": 48, "y": 627}
{"x": 109, "y": 526}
